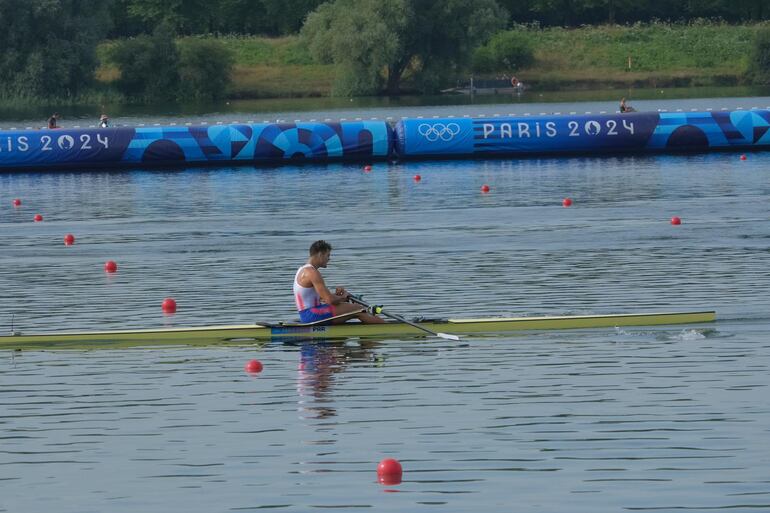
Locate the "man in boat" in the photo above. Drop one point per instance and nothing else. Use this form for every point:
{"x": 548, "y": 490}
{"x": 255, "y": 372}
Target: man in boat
{"x": 624, "y": 107}
{"x": 315, "y": 302}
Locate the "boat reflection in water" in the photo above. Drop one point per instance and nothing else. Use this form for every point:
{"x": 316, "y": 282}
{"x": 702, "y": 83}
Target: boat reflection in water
{"x": 319, "y": 362}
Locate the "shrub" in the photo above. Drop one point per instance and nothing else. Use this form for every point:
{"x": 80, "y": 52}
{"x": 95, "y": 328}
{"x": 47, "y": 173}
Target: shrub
{"x": 759, "y": 57}
{"x": 148, "y": 66}
{"x": 157, "y": 69}
{"x": 205, "y": 68}
{"x": 511, "y": 50}
{"x": 484, "y": 60}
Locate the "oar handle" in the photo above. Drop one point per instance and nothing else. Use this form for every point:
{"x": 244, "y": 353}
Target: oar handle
{"x": 372, "y": 309}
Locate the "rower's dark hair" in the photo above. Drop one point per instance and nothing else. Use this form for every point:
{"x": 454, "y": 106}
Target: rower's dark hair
{"x": 320, "y": 246}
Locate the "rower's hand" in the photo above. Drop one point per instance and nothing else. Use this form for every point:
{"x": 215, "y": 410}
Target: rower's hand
{"x": 340, "y": 291}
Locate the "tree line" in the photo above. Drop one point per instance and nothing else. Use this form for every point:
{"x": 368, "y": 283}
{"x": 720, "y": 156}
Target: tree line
{"x": 49, "y": 46}
{"x": 282, "y": 17}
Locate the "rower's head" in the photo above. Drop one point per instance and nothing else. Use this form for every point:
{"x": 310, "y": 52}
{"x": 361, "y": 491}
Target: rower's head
{"x": 320, "y": 252}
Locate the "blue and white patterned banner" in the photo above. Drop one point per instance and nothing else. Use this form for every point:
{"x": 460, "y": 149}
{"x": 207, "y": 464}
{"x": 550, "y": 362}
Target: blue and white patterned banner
{"x": 255, "y": 143}
{"x": 591, "y": 134}
{"x": 269, "y": 143}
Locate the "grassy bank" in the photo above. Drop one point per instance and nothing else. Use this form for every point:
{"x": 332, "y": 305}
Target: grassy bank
{"x": 588, "y": 57}
{"x": 660, "y": 55}
{"x": 264, "y": 68}
{"x": 275, "y": 68}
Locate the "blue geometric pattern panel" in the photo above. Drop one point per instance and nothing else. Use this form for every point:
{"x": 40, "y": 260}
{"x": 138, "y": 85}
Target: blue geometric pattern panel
{"x": 267, "y": 143}
{"x": 590, "y": 134}
{"x": 275, "y": 143}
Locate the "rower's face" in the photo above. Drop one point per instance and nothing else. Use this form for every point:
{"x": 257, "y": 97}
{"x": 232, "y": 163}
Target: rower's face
{"x": 324, "y": 258}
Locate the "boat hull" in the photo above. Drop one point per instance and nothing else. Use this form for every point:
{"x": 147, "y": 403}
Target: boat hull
{"x": 250, "y": 334}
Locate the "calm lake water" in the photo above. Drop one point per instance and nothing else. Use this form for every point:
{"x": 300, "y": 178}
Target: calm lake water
{"x": 640, "y": 419}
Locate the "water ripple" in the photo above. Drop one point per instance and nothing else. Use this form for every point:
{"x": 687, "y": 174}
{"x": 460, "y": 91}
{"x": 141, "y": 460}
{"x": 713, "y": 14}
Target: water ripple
{"x": 659, "y": 418}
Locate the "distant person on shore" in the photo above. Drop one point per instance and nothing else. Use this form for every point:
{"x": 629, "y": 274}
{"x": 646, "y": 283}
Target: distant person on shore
{"x": 53, "y": 121}
{"x": 104, "y": 121}
{"x": 624, "y": 107}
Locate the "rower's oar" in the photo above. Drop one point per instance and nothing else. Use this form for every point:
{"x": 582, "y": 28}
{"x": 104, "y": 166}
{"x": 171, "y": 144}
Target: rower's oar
{"x": 378, "y": 309}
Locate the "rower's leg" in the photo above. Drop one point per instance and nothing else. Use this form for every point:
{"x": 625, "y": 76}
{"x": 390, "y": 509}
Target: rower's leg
{"x": 355, "y": 311}
{"x": 368, "y": 318}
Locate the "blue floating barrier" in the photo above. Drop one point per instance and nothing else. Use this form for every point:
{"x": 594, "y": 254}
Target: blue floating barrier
{"x": 315, "y": 142}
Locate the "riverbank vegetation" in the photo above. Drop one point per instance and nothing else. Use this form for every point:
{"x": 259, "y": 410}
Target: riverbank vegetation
{"x": 158, "y": 68}
{"x": 759, "y": 57}
{"x": 700, "y": 53}
{"x": 657, "y": 54}
{"x": 69, "y": 51}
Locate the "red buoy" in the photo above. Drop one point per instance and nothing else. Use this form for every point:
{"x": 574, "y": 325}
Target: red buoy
{"x": 676, "y": 220}
{"x": 566, "y": 202}
{"x": 253, "y": 366}
{"x": 17, "y": 202}
{"x": 485, "y": 188}
{"x": 417, "y": 178}
{"x": 110, "y": 266}
{"x": 389, "y": 472}
{"x": 169, "y": 305}
{"x": 743, "y": 157}
{"x": 69, "y": 239}
{"x": 38, "y": 218}
{"x": 367, "y": 168}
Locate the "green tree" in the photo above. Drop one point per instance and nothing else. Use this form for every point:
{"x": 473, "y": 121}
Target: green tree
{"x": 180, "y": 16}
{"x": 268, "y": 17}
{"x": 205, "y": 69}
{"x": 571, "y": 13}
{"x": 374, "y": 43}
{"x": 512, "y": 50}
{"x": 48, "y": 47}
{"x": 148, "y": 66}
{"x": 287, "y": 16}
{"x": 507, "y": 51}
{"x": 484, "y": 60}
{"x": 124, "y": 24}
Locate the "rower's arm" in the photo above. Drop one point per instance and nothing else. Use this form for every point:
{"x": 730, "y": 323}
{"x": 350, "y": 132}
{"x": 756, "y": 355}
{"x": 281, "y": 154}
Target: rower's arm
{"x": 320, "y": 286}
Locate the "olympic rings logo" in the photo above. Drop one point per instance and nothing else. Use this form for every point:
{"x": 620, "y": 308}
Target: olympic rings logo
{"x": 437, "y": 131}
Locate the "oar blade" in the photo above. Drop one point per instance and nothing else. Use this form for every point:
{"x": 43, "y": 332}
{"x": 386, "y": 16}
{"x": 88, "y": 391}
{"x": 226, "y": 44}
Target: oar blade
{"x": 448, "y": 336}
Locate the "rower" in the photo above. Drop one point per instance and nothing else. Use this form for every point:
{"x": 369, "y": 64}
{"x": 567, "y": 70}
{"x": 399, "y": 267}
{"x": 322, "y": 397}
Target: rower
{"x": 315, "y": 302}
{"x": 624, "y": 107}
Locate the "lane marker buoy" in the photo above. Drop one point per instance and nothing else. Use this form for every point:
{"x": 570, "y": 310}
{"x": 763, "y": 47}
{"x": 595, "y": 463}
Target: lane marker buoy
{"x": 110, "y": 266}
{"x": 69, "y": 239}
{"x": 168, "y": 306}
{"x": 253, "y": 366}
{"x": 485, "y": 188}
{"x": 676, "y": 220}
{"x": 566, "y": 202}
{"x": 389, "y": 472}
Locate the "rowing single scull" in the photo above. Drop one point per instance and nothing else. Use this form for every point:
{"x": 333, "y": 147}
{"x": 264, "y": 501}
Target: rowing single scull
{"x": 250, "y": 333}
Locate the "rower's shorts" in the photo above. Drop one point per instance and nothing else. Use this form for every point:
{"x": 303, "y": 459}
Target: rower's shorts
{"x": 316, "y": 313}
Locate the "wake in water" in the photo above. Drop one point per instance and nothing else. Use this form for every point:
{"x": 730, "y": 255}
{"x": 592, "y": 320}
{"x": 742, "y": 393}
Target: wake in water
{"x": 684, "y": 336}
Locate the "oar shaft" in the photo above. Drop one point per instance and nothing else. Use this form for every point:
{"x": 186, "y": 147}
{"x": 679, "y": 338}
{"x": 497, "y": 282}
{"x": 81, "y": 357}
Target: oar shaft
{"x": 401, "y": 319}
